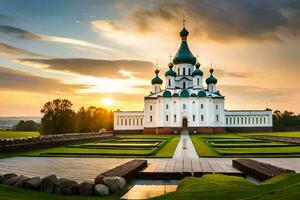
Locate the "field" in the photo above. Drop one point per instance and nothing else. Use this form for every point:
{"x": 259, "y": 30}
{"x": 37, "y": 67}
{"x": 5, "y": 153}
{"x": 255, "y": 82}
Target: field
{"x": 244, "y": 145}
{"x": 18, "y": 134}
{"x": 123, "y": 146}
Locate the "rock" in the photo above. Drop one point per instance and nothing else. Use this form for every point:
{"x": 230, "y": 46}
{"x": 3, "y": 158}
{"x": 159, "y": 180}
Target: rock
{"x": 67, "y": 187}
{"x": 13, "y": 180}
{"x": 33, "y": 183}
{"x": 115, "y": 184}
{"x": 99, "y": 179}
{"x": 86, "y": 188}
{"x": 49, "y": 183}
{"x": 21, "y": 181}
{"x": 7, "y": 176}
{"x": 101, "y": 190}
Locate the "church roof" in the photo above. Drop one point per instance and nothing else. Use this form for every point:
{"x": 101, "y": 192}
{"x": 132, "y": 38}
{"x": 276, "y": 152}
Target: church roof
{"x": 189, "y": 92}
{"x": 197, "y": 71}
{"x": 184, "y": 55}
{"x": 156, "y": 79}
{"x": 211, "y": 79}
{"x": 171, "y": 72}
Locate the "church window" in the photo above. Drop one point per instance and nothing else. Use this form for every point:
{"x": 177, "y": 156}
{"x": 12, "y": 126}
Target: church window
{"x": 233, "y": 120}
{"x": 189, "y": 71}
{"x": 242, "y": 120}
{"x": 183, "y": 85}
{"x": 121, "y": 122}
{"x": 264, "y": 120}
{"x": 174, "y": 118}
{"x": 260, "y": 120}
{"x": 217, "y": 106}
{"x": 193, "y": 102}
{"x": 137, "y": 121}
{"x": 129, "y": 122}
{"x": 125, "y": 122}
{"x": 167, "y": 106}
{"x": 169, "y": 82}
{"x": 178, "y": 71}
{"x": 194, "y": 118}
{"x": 150, "y": 107}
{"x": 238, "y": 120}
{"x": 217, "y": 118}
{"x": 198, "y": 81}
{"x": 202, "y": 118}
{"x": 167, "y": 117}
{"x": 150, "y": 118}
{"x": 226, "y": 120}
{"x": 141, "y": 121}
{"x": 184, "y": 106}
{"x": 183, "y": 72}
{"x": 201, "y": 106}
{"x": 256, "y": 120}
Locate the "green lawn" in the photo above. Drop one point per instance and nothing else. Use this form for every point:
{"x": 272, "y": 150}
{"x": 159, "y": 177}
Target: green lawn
{"x": 244, "y": 145}
{"x": 215, "y": 187}
{"x": 18, "y": 134}
{"x": 165, "y": 148}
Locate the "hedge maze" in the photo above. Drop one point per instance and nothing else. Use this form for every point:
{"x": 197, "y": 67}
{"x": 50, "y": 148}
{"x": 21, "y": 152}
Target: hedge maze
{"x": 238, "y": 145}
{"x": 119, "y": 147}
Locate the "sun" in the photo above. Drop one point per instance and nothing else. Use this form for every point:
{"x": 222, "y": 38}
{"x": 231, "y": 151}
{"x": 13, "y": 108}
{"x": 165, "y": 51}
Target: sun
{"x": 107, "y": 101}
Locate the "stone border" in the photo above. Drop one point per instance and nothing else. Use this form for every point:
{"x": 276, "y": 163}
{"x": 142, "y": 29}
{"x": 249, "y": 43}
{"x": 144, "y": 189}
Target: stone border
{"x": 48, "y": 141}
{"x": 110, "y": 182}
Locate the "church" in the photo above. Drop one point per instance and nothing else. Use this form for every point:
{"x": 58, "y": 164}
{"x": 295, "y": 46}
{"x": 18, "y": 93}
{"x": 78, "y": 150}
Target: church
{"x": 186, "y": 103}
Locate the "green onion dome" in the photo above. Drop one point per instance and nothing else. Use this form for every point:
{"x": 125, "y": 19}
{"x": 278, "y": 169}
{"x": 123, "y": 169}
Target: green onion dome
{"x": 211, "y": 79}
{"x": 170, "y": 72}
{"x": 156, "y": 79}
{"x": 197, "y": 71}
{"x": 184, "y": 55}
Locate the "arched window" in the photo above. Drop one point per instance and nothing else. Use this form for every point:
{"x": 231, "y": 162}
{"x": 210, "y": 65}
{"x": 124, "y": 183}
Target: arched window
{"x": 183, "y": 85}
{"x": 167, "y": 117}
{"x": 169, "y": 82}
{"x": 150, "y": 118}
{"x": 184, "y": 106}
{"x": 178, "y": 71}
{"x": 183, "y": 72}
{"x": 189, "y": 71}
{"x": 198, "y": 81}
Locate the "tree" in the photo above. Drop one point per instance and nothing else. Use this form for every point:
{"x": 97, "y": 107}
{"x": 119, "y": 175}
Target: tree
{"x": 58, "y": 117}
{"x": 29, "y": 125}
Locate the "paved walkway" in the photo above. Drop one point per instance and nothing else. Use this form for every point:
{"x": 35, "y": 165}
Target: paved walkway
{"x": 88, "y": 168}
{"x": 185, "y": 148}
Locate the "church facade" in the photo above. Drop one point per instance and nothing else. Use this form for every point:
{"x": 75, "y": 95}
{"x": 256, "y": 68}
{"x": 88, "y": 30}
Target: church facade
{"x": 186, "y": 103}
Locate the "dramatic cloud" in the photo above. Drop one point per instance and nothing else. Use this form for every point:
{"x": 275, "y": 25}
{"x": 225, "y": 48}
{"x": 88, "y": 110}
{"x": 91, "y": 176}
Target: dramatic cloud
{"x": 23, "y": 34}
{"x": 220, "y": 20}
{"x": 21, "y": 81}
{"x": 97, "y": 68}
{"x": 14, "y": 51}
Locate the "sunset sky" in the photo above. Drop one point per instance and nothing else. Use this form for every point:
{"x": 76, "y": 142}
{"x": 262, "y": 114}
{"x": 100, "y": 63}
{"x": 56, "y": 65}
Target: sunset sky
{"x": 103, "y": 52}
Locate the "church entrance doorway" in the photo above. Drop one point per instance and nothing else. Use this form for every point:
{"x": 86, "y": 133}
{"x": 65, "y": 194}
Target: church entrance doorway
{"x": 184, "y": 122}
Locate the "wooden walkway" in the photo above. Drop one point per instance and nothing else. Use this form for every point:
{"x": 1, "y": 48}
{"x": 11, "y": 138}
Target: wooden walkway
{"x": 178, "y": 168}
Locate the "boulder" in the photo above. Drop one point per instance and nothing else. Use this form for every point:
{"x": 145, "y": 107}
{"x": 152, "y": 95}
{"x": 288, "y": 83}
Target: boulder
{"x": 49, "y": 183}
{"x": 115, "y": 184}
{"x": 13, "y": 180}
{"x": 66, "y": 187}
{"x": 32, "y": 183}
{"x": 99, "y": 179}
{"x": 86, "y": 188}
{"x": 7, "y": 176}
{"x": 101, "y": 190}
{"x": 21, "y": 181}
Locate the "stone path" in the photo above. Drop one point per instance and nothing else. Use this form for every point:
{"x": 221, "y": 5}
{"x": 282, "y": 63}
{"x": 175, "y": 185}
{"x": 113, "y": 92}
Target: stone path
{"x": 88, "y": 168}
{"x": 185, "y": 148}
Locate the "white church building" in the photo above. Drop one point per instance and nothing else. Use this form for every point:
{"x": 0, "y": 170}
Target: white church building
{"x": 186, "y": 103}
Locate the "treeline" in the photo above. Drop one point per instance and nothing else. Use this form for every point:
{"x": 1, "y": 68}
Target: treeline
{"x": 27, "y": 125}
{"x": 285, "y": 119}
{"x": 59, "y": 118}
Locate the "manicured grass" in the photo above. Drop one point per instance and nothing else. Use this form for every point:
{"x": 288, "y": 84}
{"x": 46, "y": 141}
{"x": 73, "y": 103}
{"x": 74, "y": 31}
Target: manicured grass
{"x": 202, "y": 148}
{"x": 217, "y": 187}
{"x": 18, "y": 134}
{"x": 243, "y": 145}
{"x": 283, "y": 134}
{"x": 165, "y": 148}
